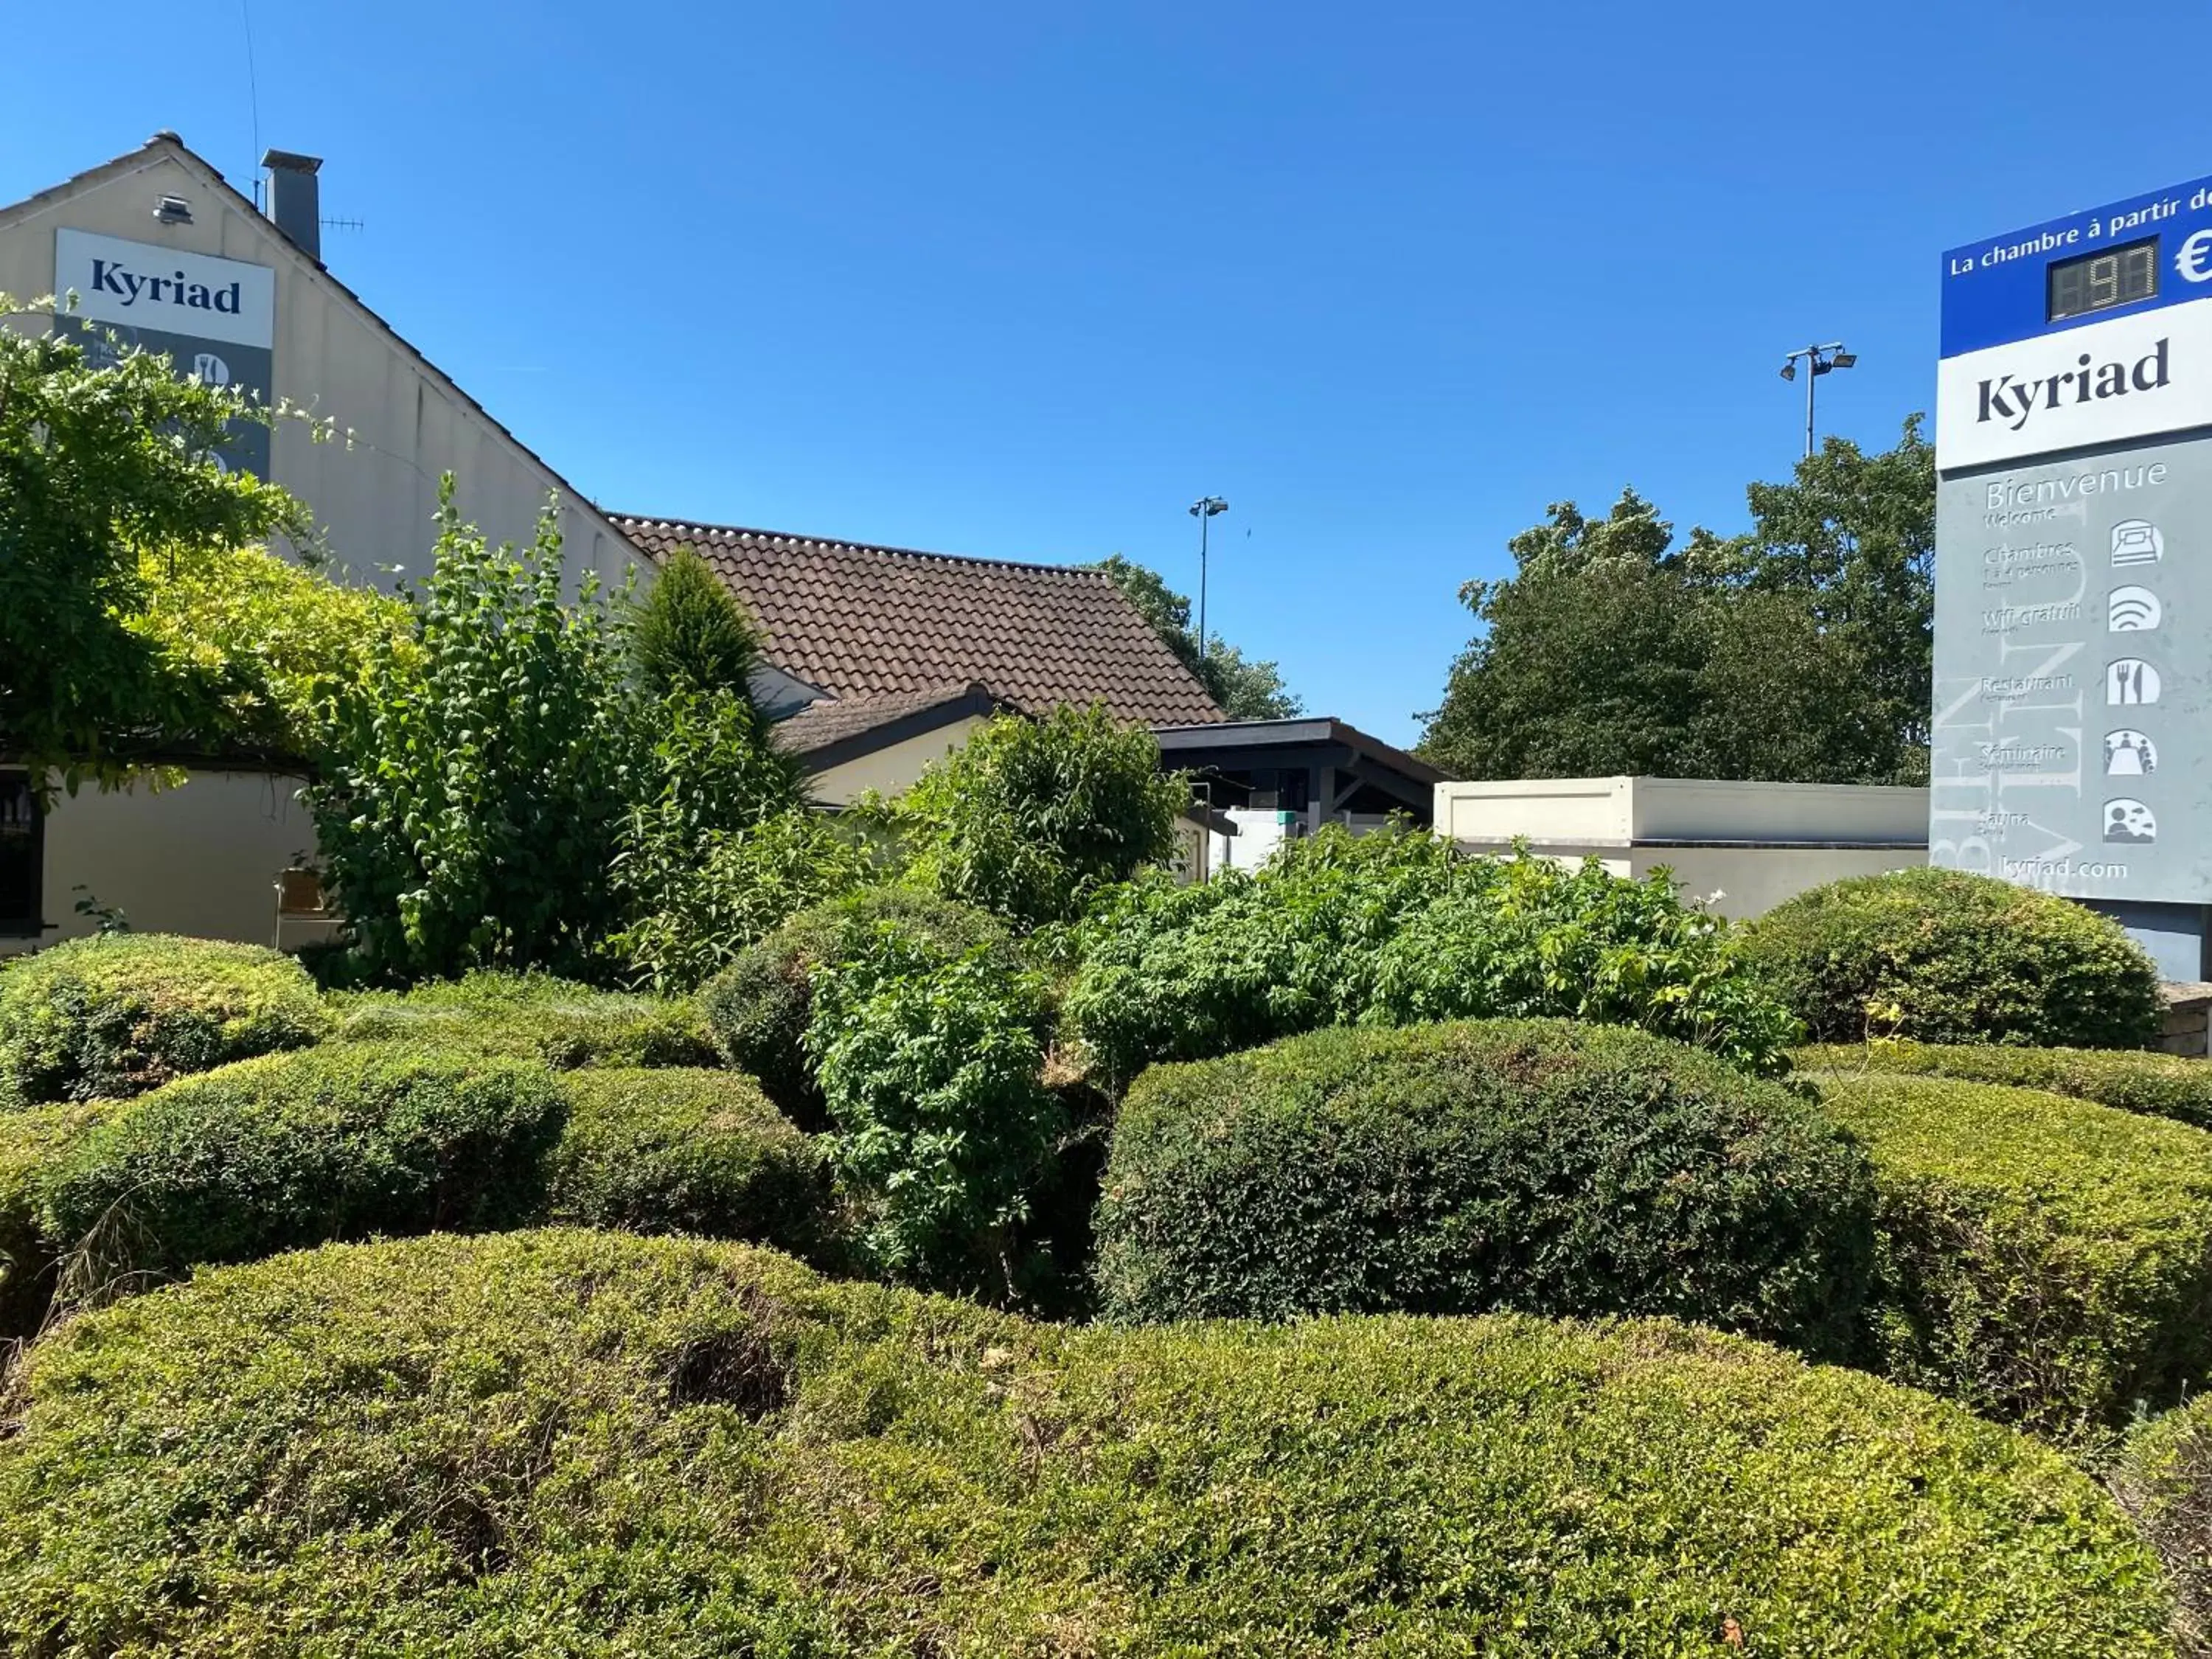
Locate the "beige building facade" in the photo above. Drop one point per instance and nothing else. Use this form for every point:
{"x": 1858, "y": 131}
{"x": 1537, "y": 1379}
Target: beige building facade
{"x": 328, "y": 353}
{"x": 164, "y": 254}
{"x": 199, "y": 857}
{"x": 1743, "y": 847}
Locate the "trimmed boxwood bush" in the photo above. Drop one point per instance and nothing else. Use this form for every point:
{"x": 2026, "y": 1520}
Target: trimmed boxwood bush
{"x": 685, "y": 1151}
{"x": 578, "y": 1443}
{"x": 2042, "y": 1259}
{"x": 2161, "y": 1085}
{"x": 118, "y": 1014}
{"x": 335, "y": 1142}
{"x": 1537, "y": 1165}
{"x": 1944, "y": 956}
{"x": 757, "y": 1009}
{"x": 2164, "y": 1476}
{"x": 30, "y": 1142}
{"x": 561, "y": 1023}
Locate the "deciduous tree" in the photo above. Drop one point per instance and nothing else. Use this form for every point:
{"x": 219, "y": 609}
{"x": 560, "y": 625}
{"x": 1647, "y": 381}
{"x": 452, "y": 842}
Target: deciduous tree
{"x": 1798, "y": 651}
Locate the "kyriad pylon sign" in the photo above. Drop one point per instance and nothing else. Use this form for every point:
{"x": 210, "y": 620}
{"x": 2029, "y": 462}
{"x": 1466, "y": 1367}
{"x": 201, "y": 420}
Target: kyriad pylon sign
{"x": 2073, "y": 554}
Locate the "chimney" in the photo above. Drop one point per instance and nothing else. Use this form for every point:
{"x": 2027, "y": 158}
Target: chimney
{"x": 295, "y": 199}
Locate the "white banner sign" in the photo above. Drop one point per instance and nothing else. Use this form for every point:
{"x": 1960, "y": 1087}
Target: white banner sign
{"x": 142, "y": 286}
{"x": 2133, "y": 377}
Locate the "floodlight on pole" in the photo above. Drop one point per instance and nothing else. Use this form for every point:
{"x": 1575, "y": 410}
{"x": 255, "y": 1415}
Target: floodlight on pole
{"x": 1204, "y": 509}
{"x": 1819, "y": 360}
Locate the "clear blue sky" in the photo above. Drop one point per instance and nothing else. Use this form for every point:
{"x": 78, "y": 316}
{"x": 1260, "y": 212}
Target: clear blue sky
{"x": 1023, "y": 281}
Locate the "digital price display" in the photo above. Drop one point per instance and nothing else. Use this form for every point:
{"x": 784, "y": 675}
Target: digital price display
{"x": 2099, "y": 282}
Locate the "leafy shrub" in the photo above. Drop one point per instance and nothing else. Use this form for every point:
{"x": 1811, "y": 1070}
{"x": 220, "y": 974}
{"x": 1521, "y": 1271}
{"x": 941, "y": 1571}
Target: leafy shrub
{"x": 688, "y": 1152}
{"x": 474, "y": 777}
{"x": 715, "y": 896}
{"x": 263, "y": 639}
{"x": 1187, "y": 973}
{"x": 335, "y": 1142}
{"x": 31, "y": 1140}
{"x": 934, "y": 1075}
{"x": 1029, "y": 818}
{"x": 1536, "y": 1165}
{"x": 2165, "y": 1479}
{"x": 555, "y": 1020}
{"x": 1530, "y": 937}
{"x": 2044, "y": 1260}
{"x": 120, "y": 1013}
{"x": 568, "y": 1442}
{"x": 1397, "y": 926}
{"x": 757, "y": 1009}
{"x": 2160, "y": 1085}
{"x": 1944, "y": 956}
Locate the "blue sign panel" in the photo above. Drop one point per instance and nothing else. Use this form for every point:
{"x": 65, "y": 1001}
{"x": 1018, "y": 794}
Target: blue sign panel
{"x": 2129, "y": 258}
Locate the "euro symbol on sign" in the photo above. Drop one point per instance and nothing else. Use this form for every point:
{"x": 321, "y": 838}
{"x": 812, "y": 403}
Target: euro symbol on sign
{"x": 2194, "y": 262}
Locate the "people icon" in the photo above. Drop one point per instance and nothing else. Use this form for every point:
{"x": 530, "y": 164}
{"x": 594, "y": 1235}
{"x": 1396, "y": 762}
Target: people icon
{"x": 2128, "y": 821}
{"x": 2129, "y": 755}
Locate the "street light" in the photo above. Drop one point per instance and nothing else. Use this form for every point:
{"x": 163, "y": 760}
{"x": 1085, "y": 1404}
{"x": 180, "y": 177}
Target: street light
{"x": 1821, "y": 360}
{"x": 1204, "y": 509}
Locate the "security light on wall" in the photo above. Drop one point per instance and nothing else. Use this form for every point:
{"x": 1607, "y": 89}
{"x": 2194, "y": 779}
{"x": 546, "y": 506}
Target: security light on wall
{"x": 174, "y": 210}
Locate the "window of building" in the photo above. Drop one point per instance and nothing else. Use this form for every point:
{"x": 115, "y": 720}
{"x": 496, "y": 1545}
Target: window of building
{"x": 22, "y": 857}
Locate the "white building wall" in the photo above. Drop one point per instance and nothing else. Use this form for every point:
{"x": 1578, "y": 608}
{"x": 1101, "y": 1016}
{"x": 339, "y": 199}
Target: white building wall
{"x": 374, "y": 501}
{"x": 1751, "y": 844}
{"x": 200, "y": 858}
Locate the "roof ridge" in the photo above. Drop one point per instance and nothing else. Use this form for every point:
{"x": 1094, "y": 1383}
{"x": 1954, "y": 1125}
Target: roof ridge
{"x": 622, "y": 521}
{"x": 166, "y": 144}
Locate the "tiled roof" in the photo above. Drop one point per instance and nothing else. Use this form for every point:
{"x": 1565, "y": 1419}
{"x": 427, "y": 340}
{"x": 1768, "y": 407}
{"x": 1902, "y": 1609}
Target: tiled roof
{"x": 824, "y": 725}
{"x": 863, "y": 621}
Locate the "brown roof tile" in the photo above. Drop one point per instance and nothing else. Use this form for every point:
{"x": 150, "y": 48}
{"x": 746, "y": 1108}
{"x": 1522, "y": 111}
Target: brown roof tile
{"x": 865, "y": 622}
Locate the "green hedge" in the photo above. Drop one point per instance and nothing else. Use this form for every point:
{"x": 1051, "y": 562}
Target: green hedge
{"x": 578, "y": 1443}
{"x": 31, "y": 1142}
{"x": 757, "y": 1009}
{"x": 2160, "y": 1085}
{"x": 2164, "y": 1476}
{"x": 1537, "y": 1165}
{"x": 555, "y": 1020}
{"x": 2043, "y": 1259}
{"x": 118, "y": 1014}
{"x": 1943, "y": 955}
{"x": 335, "y": 1142}
{"x": 690, "y": 1151}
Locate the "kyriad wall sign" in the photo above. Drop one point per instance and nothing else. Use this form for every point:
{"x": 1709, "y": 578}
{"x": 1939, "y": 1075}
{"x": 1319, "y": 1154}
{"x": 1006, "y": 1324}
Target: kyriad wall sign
{"x": 2074, "y": 555}
{"x": 215, "y": 318}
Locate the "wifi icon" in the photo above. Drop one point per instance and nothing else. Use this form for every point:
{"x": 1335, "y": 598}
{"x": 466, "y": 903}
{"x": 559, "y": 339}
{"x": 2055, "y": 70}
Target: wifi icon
{"x": 2132, "y": 611}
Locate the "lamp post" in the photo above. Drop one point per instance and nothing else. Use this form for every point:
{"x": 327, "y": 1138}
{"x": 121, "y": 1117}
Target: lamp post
{"x": 1204, "y": 509}
{"x": 1819, "y": 360}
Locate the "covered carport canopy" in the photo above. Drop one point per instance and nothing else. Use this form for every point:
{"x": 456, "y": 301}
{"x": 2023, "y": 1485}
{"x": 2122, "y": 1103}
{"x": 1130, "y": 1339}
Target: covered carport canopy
{"x": 1317, "y": 767}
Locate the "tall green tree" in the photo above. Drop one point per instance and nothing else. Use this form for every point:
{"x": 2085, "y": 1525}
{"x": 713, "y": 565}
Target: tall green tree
{"x": 691, "y": 632}
{"x": 108, "y": 479}
{"x": 1243, "y": 691}
{"x": 1798, "y": 651}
